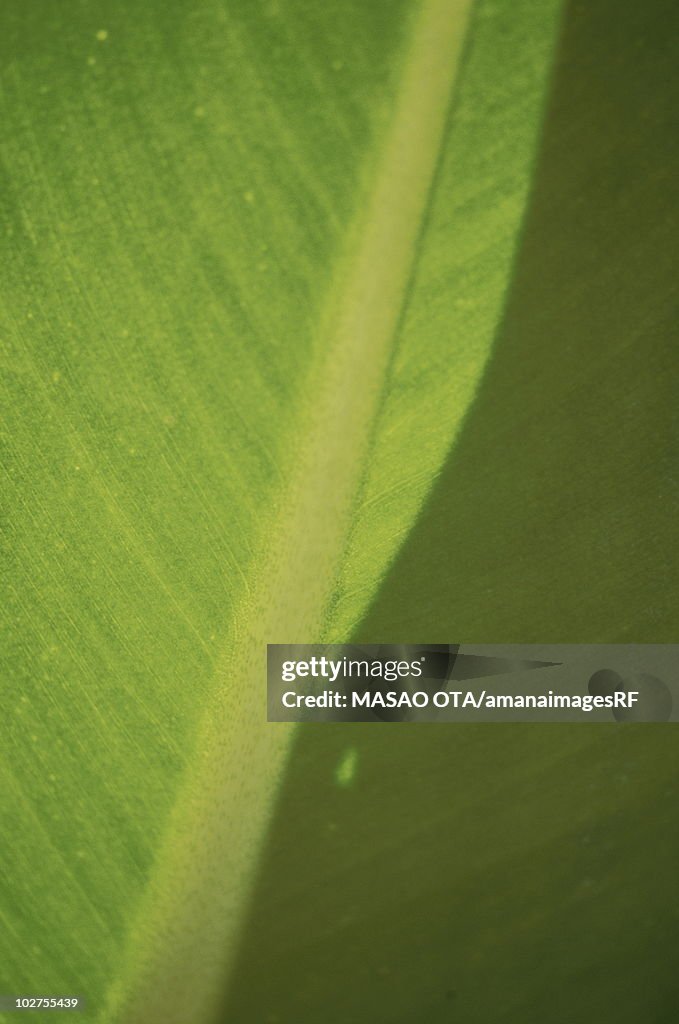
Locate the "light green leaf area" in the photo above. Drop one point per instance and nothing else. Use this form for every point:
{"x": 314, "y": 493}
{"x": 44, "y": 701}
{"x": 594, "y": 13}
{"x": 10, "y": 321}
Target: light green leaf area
{"x": 254, "y": 255}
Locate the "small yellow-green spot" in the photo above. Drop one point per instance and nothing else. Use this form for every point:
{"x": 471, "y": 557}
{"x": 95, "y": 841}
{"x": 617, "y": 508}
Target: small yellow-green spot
{"x": 345, "y": 772}
{"x": 337, "y": 65}
{"x": 199, "y": 112}
{"x": 102, "y": 35}
{"x": 249, "y": 197}
{"x": 91, "y": 61}
{"x": 56, "y": 377}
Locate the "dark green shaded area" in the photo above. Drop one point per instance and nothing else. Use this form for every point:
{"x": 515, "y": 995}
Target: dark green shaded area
{"x": 520, "y": 874}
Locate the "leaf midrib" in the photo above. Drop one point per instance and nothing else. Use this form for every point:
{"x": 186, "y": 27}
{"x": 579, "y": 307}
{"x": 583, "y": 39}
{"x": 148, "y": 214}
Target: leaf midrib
{"x": 180, "y": 950}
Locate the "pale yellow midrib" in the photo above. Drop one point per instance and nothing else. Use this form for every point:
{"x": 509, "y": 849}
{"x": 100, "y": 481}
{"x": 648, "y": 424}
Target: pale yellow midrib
{"x": 181, "y": 952}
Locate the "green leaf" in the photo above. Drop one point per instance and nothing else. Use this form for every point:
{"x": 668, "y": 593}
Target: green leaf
{"x": 519, "y": 873}
{"x": 255, "y": 259}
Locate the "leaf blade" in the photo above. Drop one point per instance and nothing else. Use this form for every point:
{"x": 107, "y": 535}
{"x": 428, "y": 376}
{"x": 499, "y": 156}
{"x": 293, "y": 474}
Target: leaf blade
{"x": 174, "y": 568}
